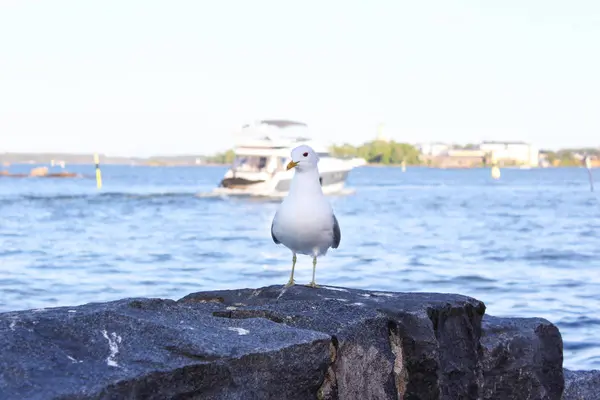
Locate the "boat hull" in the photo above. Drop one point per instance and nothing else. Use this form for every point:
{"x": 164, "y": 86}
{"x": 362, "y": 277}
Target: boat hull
{"x": 238, "y": 183}
{"x": 331, "y": 182}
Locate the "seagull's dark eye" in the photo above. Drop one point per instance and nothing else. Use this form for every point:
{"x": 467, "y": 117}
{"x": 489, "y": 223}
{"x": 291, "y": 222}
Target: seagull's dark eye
{"x": 305, "y": 154}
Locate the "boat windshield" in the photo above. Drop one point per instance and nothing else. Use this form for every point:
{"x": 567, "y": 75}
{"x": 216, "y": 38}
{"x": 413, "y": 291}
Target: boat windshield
{"x": 258, "y": 163}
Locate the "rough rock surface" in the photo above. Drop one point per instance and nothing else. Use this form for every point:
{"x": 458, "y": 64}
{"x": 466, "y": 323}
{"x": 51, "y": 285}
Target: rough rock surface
{"x": 271, "y": 343}
{"x": 521, "y": 355}
{"x": 582, "y": 385}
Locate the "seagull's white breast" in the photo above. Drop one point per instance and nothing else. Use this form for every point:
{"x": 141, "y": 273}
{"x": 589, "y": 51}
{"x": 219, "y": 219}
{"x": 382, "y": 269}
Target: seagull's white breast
{"x": 305, "y": 224}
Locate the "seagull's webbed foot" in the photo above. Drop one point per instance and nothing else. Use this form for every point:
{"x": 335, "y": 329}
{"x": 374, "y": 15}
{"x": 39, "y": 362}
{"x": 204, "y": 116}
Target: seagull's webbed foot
{"x": 291, "y": 282}
{"x": 313, "y": 284}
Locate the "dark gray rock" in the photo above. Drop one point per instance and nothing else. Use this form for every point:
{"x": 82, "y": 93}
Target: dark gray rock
{"x": 155, "y": 349}
{"x": 582, "y": 385}
{"x": 421, "y": 345}
{"x": 270, "y": 343}
{"x": 521, "y": 356}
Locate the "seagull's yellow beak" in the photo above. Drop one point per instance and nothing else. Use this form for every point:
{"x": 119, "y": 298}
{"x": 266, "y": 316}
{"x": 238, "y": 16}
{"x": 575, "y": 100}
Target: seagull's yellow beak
{"x": 291, "y": 165}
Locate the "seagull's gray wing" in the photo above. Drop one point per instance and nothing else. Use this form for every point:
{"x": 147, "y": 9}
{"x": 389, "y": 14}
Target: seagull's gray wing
{"x": 272, "y": 234}
{"x": 337, "y": 234}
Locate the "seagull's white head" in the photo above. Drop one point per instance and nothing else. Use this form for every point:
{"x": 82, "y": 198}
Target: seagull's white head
{"x": 304, "y": 158}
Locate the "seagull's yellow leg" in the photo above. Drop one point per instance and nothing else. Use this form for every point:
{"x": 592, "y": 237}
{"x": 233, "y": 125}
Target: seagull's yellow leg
{"x": 313, "y": 283}
{"x": 291, "y": 281}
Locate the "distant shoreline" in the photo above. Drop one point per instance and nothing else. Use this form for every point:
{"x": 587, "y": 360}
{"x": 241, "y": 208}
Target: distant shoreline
{"x": 212, "y": 164}
{"x": 190, "y": 160}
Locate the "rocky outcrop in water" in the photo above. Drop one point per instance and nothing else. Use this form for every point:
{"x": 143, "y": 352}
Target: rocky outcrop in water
{"x": 269, "y": 343}
{"x": 42, "y": 172}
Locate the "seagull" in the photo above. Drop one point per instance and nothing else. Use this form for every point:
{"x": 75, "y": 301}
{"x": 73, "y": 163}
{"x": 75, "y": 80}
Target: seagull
{"x": 305, "y": 222}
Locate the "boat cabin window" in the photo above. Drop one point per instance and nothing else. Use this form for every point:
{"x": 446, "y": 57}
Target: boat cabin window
{"x": 250, "y": 163}
{"x": 264, "y": 163}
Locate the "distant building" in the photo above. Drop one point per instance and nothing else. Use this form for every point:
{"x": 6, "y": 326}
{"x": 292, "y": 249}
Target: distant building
{"x": 520, "y": 153}
{"x": 444, "y": 155}
{"x": 466, "y": 153}
{"x": 457, "y": 158}
{"x": 504, "y": 153}
{"x": 433, "y": 149}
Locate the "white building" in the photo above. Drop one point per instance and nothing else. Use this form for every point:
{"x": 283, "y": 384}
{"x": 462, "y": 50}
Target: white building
{"x": 518, "y": 152}
{"x": 433, "y": 149}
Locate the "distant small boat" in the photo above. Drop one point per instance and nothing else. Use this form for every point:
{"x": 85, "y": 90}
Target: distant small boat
{"x": 59, "y": 163}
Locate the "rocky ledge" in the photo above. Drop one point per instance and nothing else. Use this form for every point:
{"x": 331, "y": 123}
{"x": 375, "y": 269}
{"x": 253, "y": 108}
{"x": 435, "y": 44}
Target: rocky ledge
{"x": 271, "y": 343}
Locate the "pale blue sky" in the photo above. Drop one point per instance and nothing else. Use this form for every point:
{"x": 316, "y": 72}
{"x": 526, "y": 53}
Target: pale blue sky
{"x": 147, "y": 77}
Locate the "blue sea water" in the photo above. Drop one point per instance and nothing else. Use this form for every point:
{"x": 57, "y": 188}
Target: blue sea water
{"x": 527, "y": 244}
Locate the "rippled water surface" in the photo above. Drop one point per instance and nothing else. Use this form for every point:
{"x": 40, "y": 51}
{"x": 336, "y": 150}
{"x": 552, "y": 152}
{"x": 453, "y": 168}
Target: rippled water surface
{"x": 526, "y": 245}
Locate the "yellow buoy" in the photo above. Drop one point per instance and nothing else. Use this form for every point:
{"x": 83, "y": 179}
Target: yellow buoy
{"x": 495, "y": 172}
{"x": 98, "y": 173}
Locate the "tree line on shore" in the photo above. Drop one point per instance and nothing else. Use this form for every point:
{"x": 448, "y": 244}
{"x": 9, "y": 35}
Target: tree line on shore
{"x": 393, "y": 153}
{"x": 376, "y": 151}
{"x": 568, "y": 158}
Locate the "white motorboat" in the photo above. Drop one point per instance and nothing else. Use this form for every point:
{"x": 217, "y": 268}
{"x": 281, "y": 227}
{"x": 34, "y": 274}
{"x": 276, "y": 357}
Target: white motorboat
{"x": 262, "y": 151}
